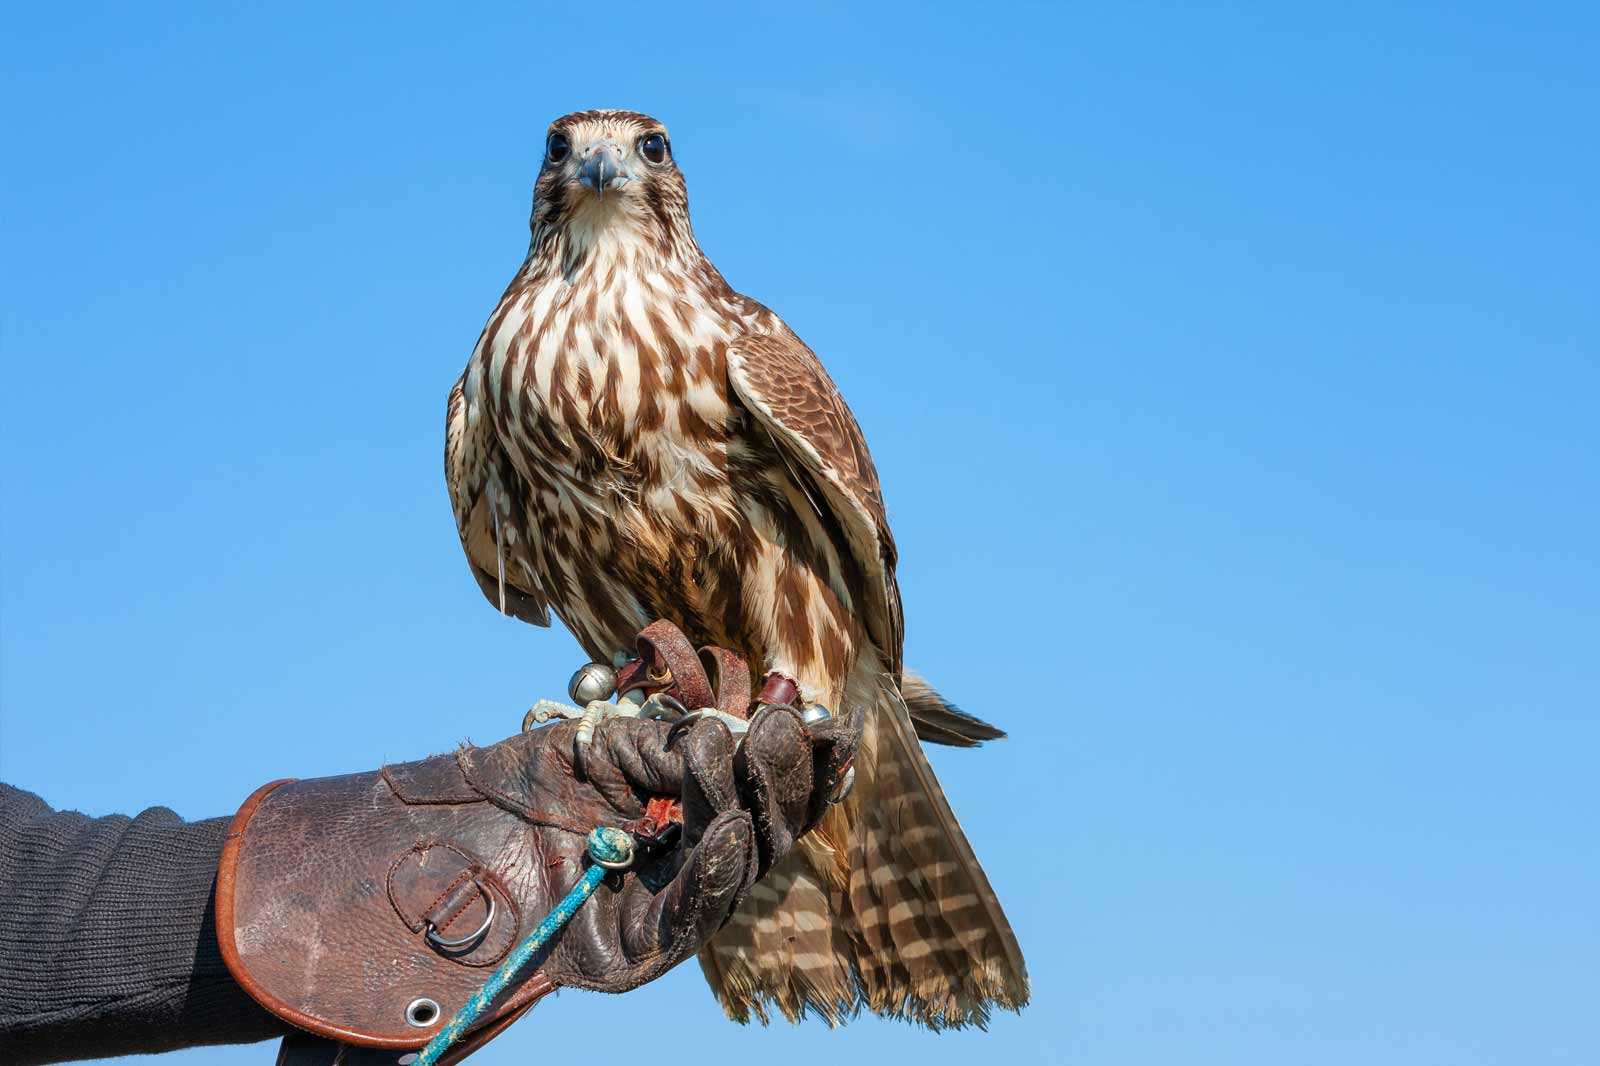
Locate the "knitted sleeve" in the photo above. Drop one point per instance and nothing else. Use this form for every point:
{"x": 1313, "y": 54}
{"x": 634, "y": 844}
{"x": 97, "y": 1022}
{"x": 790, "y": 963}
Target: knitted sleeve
{"x": 106, "y": 939}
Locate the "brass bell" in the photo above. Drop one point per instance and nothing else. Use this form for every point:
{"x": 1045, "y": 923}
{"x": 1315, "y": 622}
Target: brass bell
{"x": 593, "y": 681}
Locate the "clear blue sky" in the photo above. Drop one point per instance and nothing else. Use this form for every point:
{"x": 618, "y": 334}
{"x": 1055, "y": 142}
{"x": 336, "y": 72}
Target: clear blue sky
{"x": 1233, "y": 375}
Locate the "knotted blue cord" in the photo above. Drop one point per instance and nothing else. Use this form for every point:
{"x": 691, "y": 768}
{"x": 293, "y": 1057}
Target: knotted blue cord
{"x": 607, "y": 847}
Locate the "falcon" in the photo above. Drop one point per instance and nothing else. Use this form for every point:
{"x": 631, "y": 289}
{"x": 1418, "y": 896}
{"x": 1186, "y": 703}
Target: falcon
{"x": 632, "y": 440}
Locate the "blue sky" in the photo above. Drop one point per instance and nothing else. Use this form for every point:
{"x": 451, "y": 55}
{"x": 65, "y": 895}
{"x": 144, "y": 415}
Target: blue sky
{"x": 1232, "y": 373}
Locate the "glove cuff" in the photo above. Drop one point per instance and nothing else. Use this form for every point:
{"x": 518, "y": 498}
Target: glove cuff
{"x": 368, "y": 908}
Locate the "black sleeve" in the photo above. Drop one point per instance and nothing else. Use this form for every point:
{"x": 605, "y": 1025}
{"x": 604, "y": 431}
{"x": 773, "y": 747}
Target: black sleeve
{"x": 106, "y": 939}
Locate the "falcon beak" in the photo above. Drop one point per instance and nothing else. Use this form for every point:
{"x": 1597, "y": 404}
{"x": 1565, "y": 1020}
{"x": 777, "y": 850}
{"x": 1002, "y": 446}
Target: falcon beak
{"x": 602, "y": 168}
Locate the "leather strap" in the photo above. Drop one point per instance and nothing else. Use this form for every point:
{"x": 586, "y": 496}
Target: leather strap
{"x": 778, "y": 689}
{"x": 730, "y": 679}
{"x": 712, "y": 677}
{"x": 669, "y": 652}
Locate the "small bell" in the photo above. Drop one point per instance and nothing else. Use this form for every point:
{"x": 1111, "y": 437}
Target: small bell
{"x": 593, "y": 681}
{"x": 815, "y": 713}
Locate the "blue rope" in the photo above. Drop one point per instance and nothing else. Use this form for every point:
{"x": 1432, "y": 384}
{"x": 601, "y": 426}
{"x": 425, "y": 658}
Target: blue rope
{"x": 606, "y": 845}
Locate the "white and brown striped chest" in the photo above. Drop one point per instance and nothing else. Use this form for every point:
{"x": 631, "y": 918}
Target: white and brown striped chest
{"x": 610, "y": 395}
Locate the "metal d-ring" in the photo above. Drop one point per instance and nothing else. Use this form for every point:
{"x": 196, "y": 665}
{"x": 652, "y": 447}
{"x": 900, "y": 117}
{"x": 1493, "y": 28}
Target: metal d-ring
{"x": 432, "y": 933}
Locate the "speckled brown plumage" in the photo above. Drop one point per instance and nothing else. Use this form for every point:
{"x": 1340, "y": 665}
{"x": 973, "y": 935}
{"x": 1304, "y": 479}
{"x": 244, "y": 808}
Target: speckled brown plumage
{"x": 632, "y": 440}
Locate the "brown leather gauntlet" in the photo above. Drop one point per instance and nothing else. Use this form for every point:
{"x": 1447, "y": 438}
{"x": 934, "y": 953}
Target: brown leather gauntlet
{"x": 367, "y": 908}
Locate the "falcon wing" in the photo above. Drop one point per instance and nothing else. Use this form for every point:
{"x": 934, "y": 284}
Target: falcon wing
{"x": 486, "y": 494}
{"x": 783, "y": 384}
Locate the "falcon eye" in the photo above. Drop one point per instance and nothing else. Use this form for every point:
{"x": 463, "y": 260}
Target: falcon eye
{"x": 654, "y": 148}
{"x": 557, "y": 147}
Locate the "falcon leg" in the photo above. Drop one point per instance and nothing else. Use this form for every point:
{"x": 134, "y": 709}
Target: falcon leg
{"x": 655, "y": 685}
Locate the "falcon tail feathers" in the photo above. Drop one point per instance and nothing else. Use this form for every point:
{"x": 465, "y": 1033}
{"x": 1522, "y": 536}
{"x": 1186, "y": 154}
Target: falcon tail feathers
{"x": 938, "y": 721}
{"x": 883, "y": 907}
{"x": 781, "y": 947}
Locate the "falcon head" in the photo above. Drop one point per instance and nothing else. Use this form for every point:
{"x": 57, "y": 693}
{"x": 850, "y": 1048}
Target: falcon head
{"x": 610, "y": 174}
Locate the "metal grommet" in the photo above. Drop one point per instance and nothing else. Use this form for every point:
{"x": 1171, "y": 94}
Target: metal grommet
{"x": 432, "y": 933}
{"x": 422, "y": 1013}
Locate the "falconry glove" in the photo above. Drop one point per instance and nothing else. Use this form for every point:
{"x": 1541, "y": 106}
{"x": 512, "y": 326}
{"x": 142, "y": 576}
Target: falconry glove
{"x": 368, "y": 908}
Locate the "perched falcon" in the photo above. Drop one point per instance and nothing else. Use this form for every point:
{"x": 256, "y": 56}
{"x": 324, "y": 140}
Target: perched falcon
{"x": 634, "y": 440}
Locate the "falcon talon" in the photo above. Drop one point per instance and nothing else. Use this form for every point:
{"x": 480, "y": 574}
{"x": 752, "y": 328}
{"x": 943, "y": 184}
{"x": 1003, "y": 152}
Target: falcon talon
{"x": 735, "y": 724}
{"x": 680, "y": 727}
{"x": 545, "y": 711}
{"x": 663, "y": 708}
{"x": 597, "y": 713}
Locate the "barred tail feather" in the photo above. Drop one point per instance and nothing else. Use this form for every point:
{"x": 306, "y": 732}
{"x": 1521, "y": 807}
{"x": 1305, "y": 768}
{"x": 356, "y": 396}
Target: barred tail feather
{"x": 950, "y": 953}
{"x": 938, "y": 721}
{"x": 784, "y": 946}
{"x": 884, "y": 906}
